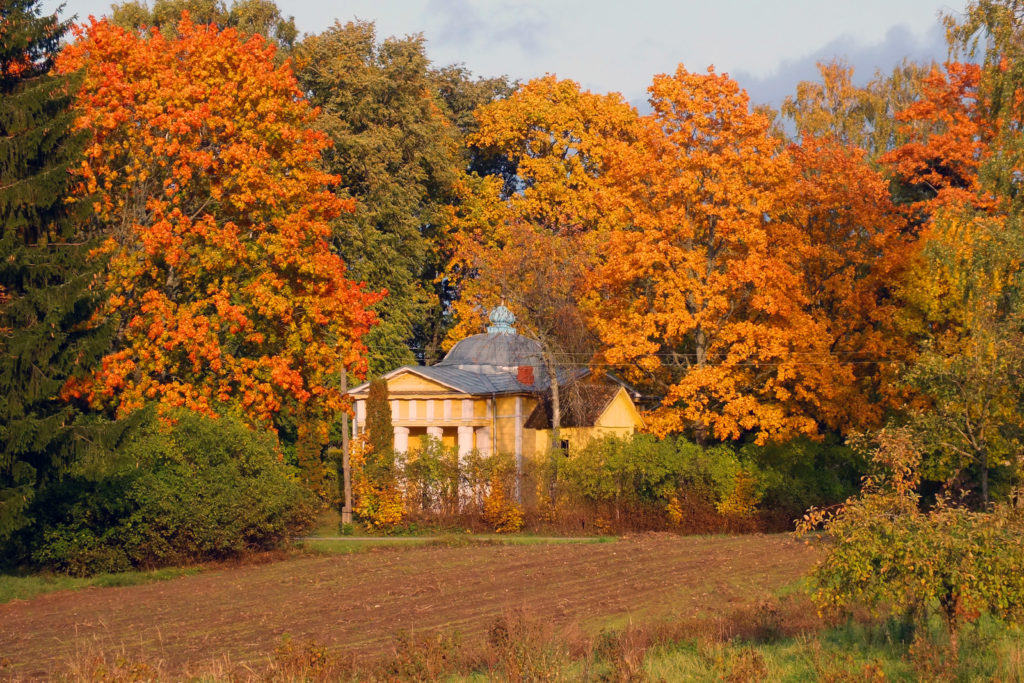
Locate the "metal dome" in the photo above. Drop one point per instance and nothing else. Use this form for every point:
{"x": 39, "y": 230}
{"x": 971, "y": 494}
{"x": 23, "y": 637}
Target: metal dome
{"x": 500, "y": 348}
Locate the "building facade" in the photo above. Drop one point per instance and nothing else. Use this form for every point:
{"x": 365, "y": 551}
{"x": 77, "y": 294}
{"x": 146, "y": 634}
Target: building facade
{"x": 490, "y": 393}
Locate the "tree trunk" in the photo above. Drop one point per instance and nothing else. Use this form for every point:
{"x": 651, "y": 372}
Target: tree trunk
{"x": 983, "y": 462}
{"x": 556, "y": 406}
{"x": 346, "y": 472}
{"x": 700, "y": 431}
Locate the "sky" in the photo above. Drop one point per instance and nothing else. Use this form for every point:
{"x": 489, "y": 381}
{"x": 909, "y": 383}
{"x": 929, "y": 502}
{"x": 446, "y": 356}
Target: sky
{"x": 768, "y": 46}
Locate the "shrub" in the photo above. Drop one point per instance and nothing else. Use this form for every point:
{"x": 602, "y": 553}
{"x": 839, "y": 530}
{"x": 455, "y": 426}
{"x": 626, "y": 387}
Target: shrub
{"x": 885, "y": 552}
{"x": 803, "y": 473}
{"x": 431, "y": 476}
{"x": 644, "y": 469}
{"x": 490, "y": 482}
{"x": 376, "y": 500}
{"x": 194, "y": 490}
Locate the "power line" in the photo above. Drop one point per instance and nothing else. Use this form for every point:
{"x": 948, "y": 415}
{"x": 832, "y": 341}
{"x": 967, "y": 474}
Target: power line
{"x": 586, "y": 360}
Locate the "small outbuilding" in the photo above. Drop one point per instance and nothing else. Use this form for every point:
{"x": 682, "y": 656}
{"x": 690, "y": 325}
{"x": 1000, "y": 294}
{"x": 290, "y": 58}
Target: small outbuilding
{"x": 492, "y": 393}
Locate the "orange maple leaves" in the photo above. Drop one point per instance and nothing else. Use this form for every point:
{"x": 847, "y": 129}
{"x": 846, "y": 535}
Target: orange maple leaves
{"x": 740, "y": 279}
{"x": 203, "y": 163}
{"x": 948, "y": 138}
{"x": 702, "y": 291}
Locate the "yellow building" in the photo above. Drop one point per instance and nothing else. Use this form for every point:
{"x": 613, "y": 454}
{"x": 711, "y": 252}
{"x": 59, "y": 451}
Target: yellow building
{"x": 491, "y": 393}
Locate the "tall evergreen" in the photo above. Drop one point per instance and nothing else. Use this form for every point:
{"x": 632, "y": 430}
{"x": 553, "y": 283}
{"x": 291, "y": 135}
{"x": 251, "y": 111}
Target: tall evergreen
{"x": 45, "y": 298}
{"x": 380, "y": 461}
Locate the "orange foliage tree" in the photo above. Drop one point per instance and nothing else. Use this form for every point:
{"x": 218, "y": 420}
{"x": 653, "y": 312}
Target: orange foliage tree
{"x": 703, "y": 293}
{"x": 948, "y": 139}
{"x": 204, "y": 164}
{"x": 559, "y": 138}
{"x": 529, "y": 248}
{"x": 855, "y": 251}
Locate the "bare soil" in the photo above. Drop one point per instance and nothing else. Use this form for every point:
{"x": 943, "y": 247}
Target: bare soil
{"x": 358, "y": 602}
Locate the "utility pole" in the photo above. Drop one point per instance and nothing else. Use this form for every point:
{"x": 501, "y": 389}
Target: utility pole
{"x": 346, "y": 472}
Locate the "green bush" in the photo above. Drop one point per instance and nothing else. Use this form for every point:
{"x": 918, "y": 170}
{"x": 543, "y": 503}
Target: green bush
{"x": 202, "y": 489}
{"x": 431, "y": 478}
{"x": 644, "y": 469}
{"x": 885, "y": 552}
{"x": 803, "y": 473}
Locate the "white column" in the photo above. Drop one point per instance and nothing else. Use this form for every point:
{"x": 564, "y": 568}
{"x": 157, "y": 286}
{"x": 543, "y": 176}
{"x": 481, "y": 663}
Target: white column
{"x": 401, "y": 439}
{"x": 430, "y": 410}
{"x": 519, "y": 448}
{"x": 465, "y": 446}
{"x": 360, "y": 418}
{"x": 394, "y": 409}
{"x": 467, "y": 408}
{"x": 483, "y": 440}
{"x": 519, "y": 429}
{"x": 465, "y": 441}
{"x": 435, "y": 433}
{"x": 412, "y": 408}
{"x": 447, "y": 409}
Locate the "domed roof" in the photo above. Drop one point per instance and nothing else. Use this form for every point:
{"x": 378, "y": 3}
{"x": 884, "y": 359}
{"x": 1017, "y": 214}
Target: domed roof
{"x": 501, "y": 350}
{"x": 500, "y": 347}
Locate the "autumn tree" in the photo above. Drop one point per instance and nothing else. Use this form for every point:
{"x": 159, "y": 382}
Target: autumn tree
{"x": 948, "y": 138}
{"x": 855, "y": 249}
{"x": 990, "y": 32}
{"x": 46, "y": 298}
{"x": 523, "y": 240}
{"x": 226, "y": 295}
{"x": 959, "y": 177}
{"x": 700, "y": 294}
{"x": 558, "y": 138}
{"x": 857, "y": 116}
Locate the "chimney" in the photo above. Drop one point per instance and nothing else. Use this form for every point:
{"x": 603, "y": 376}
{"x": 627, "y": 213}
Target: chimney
{"x": 525, "y": 375}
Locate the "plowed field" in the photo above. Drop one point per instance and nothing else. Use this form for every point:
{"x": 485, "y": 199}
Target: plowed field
{"x": 357, "y": 602}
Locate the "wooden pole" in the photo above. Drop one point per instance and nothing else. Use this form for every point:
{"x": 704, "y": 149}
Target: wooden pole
{"x": 346, "y": 471}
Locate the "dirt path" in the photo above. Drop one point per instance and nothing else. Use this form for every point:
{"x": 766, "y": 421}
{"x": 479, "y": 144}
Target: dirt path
{"x": 358, "y": 602}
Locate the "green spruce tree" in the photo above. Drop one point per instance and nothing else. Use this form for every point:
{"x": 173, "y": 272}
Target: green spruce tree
{"x": 46, "y": 303}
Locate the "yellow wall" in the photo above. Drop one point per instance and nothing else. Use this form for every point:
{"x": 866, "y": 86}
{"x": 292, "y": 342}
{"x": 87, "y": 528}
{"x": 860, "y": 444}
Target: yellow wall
{"x": 620, "y": 414}
{"x": 410, "y": 383}
{"x": 620, "y": 419}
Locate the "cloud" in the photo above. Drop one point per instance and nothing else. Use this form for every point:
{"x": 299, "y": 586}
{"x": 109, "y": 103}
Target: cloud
{"x": 899, "y": 43}
{"x": 461, "y": 23}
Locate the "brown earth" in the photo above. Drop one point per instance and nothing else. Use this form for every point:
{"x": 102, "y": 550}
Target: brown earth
{"x": 358, "y": 602}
